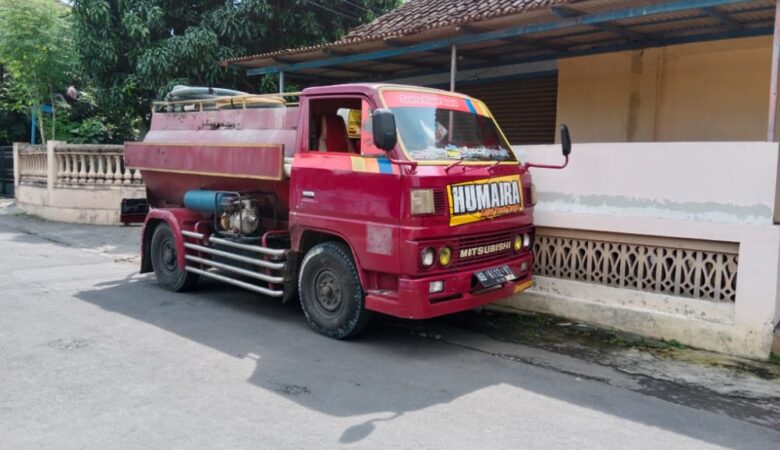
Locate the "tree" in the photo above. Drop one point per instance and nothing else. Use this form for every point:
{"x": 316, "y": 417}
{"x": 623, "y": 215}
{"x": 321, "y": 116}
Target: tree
{"x": 135, "y": 50}
{"x": 36, "y": 51}
{"x": 13, "y": 124}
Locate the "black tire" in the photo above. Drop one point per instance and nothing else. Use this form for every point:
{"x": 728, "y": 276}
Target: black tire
{"x": 165, "y": 262}
{"x": 331, "y": 295}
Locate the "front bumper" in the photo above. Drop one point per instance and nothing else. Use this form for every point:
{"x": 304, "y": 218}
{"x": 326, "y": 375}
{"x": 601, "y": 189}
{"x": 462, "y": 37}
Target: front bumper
{"x": 412, "y": 300}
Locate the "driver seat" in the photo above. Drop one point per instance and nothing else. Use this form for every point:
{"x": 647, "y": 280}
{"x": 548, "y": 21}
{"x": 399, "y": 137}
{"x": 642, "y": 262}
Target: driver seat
{"x": 333, "y": 135}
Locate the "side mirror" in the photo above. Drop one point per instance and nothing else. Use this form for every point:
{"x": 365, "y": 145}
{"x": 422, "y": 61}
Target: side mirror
{"x": 565, "y": 140}
{"x": 565, "y": 146}
{"x": 383, "y": 126}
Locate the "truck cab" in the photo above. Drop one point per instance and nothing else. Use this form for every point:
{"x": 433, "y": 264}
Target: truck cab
{"x": 390, "y": 199}
{"x": 449, "y": 201}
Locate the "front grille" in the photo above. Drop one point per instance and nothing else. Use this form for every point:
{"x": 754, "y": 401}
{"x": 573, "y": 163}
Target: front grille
{"x": 468, "y": 242}
{"x": 439, "y": 203}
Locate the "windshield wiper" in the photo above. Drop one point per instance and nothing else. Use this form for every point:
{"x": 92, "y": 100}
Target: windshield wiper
{"x": 456, "y": 163}
{"x": 494, "y": 165}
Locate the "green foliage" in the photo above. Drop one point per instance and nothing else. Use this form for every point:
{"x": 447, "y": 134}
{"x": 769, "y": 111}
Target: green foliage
{"x": 63, "y": 125}
{"x": 35, "y": 50}
{"x": 91, "y": 131}
{"x": 13, "y": 124}
{"x": 125, "y": 53}
{"x": 134, "y": 50}
{"x": 673, "y": 343}
{"x": 100, "y": 130}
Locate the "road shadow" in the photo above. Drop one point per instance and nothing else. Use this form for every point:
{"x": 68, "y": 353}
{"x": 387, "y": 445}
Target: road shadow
{"x": 363, "y": 376}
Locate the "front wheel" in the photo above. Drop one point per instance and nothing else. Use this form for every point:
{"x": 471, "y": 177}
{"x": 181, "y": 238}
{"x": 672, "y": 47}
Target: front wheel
{"x": 331, "y": 295}
{"x": 165, "y": 262}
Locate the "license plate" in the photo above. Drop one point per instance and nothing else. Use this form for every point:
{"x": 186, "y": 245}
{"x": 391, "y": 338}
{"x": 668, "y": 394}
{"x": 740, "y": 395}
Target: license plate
{"x": 495, "y": 276}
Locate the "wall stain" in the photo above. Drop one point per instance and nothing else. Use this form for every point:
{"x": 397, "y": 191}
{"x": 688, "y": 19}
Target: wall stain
{"x": 696, "y": 208}
{"x": 634, "y": 97}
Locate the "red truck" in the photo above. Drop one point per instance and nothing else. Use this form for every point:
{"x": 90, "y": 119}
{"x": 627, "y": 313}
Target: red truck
{"x": 356, "y": 198}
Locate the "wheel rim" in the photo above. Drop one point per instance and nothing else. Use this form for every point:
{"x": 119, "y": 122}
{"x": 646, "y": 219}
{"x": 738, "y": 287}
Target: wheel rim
{"x": 169, "y": 256}
{"x": 327, "y": 290}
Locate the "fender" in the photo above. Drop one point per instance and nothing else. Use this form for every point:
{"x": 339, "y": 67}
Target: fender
{"x": 176, "y": 218}
{"x": 296, "y": 234}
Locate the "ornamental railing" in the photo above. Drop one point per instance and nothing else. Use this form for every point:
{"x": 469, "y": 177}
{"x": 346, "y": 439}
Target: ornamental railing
{"x": 33, "y": 166}
{"x": 705, "y": 270}
{"x": 93, "y": 165}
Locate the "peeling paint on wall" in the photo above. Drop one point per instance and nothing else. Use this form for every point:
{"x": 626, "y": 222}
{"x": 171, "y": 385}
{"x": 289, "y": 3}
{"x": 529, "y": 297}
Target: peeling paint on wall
{"x": 665, "y": 209}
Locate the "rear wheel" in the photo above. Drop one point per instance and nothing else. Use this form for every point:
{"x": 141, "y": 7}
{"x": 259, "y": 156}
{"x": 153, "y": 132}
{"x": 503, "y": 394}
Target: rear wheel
{"x": 331, "y": 295}
{"x": 165, "y": 261}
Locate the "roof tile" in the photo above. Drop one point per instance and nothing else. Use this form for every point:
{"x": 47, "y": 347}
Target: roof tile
{"x": 416, "y": 16}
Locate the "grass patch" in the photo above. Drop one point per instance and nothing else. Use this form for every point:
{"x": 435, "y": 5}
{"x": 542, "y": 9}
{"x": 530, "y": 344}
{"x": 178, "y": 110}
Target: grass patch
{"x": 672, "y": 343}
{"x": 591, "y": 342}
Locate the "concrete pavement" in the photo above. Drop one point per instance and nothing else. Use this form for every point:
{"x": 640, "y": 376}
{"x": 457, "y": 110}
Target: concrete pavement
{"x": 94, "y": 355}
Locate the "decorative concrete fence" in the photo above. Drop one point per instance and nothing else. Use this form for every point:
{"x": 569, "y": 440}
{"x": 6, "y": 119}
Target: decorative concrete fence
{"x": 668, "y": 240}
{"x": 74, "y": 183}
{"x": 93, "y": 165}
{"x": 30, "y": 162}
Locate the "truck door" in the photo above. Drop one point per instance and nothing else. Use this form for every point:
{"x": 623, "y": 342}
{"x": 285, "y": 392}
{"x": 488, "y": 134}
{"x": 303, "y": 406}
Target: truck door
{"x": 343, "y": 185}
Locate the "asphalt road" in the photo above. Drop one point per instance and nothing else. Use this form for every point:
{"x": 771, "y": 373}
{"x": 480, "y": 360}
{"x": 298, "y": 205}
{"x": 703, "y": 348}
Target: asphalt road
{"x": 93, "y": 355}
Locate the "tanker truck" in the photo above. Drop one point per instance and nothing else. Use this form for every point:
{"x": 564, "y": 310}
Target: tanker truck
{"x": 356, "y": 199}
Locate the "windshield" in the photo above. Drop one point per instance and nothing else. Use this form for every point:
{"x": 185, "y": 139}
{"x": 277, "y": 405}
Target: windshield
{"x": 430, "y": 134}
{"x": 435, "y": 126}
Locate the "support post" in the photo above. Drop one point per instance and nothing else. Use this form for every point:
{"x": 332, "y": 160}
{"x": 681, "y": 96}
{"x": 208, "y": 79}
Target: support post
{"x": 453, "y": 66}
{"x": 33, "y": 126}
{"x": 16, "y": 168}
{"x": 51, "y": 165}
{"x": 771, "y": 134}
{"x": 281, "y": 82}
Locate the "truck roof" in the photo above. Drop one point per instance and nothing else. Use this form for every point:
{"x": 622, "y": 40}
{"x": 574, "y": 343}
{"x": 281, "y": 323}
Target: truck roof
{"x": 367, "y": 88}
{"x": 278, "y": 100}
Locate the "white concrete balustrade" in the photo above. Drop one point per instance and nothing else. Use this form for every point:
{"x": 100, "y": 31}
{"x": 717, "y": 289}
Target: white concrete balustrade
{"x": 32, "y": 163}
{"x": 93, "y": 164}
{"x": 74, "y": 183}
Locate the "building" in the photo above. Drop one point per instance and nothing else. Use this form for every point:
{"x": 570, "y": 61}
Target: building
{"x": 664, "y": 223}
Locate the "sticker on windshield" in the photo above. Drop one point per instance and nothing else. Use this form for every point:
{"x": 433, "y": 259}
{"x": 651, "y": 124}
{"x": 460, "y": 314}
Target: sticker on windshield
{"x": 489, "y": 198}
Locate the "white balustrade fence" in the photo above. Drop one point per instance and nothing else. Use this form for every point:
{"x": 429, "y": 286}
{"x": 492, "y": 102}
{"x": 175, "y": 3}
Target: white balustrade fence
{"x": 32, "y": 164}
{"x": 93, "y": 164}
{"x": 74, "y": 183}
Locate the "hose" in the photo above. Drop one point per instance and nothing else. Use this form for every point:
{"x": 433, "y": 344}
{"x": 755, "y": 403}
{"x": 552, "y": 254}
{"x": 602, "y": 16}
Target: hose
{"x": 200, "y": 93}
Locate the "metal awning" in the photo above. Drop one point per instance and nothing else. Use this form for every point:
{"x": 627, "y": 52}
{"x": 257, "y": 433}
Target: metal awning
{"x": 559, "y": 31}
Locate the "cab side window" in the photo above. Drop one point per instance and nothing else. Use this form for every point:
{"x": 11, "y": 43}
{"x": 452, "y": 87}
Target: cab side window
{"x": 334, "y": 125}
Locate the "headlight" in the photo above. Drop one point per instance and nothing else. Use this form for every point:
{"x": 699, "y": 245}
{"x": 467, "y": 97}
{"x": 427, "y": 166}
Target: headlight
{"x": 445, "y": 256}
{"x": 522, "y": 242}
{"x": 427, "y": 257}
{"x": 422, "y": 202}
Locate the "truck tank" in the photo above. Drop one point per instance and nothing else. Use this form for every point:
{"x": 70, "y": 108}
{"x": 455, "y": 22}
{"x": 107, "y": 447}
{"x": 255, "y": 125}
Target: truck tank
{"x": 237, "y": 144}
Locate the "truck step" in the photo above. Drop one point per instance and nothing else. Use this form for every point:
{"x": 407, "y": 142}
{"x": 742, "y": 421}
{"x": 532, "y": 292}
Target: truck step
{"x": 242, "y": 258}
{"x": 234, "y": 269}
{"x": 234, "y": 282}
{"x": 227, "y": 243}
{"x": 198, "y": 264}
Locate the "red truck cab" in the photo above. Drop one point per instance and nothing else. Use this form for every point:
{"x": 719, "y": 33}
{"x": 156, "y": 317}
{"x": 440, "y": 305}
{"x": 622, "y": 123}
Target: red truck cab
{"x": 360, "y": 199}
